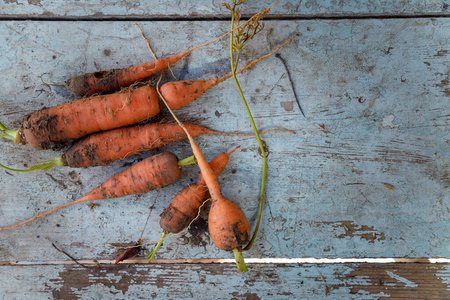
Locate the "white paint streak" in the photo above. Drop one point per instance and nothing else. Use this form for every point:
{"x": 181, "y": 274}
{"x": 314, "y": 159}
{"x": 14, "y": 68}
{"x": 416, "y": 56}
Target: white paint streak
{"x": 408, "y": 283}
{"x": 306, "y": 260}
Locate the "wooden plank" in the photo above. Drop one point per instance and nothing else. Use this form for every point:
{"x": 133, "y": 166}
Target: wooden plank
{"x": 73, "y": 9}
{"x": 220, "y": 281}
{"x": 375, "y": 94}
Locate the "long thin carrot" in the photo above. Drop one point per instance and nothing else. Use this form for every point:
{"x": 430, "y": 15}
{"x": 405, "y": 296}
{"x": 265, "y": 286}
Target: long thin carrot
{"x": 54, "y": 127}
{"x": 228, "y": 226}
{"x": 112, "y": 80}
{"x": 180, "y": 93}
{"x": 105, "y": 147}
{"x": 149, "y": 174}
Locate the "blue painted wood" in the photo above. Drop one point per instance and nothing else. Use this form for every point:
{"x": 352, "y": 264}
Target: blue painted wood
{"x": 73, "y": 9}
{"x": 181, "y": 281}
{"x": 366, "y": 174}
{"x": 379, "y": 88}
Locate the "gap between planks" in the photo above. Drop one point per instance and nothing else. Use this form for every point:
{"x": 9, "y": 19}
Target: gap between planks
{"x": 212, "y": 18}
{"x": 281, "y": 261}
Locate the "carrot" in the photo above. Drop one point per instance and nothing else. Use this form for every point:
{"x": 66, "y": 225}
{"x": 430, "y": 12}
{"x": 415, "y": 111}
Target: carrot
{"x": 228, "y": 226}
{"x": 185, "y": 206}
{"x": 180, "y": 93}
{"x": 115, "y": 79}
{"x": 54, "y": 127}
{"x": 149, "y": 174}
{"x": 112, "y": 80}
{"x": 105, "y": 147}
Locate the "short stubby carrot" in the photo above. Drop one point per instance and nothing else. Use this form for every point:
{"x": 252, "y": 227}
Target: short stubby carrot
{"x": 54, "y": 127}
{"x": 149, "y": 174}
{"x": 185, "y": 206}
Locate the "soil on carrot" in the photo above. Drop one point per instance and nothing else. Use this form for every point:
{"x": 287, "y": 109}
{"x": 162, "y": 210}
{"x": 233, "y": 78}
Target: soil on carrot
{"x": 198, "y": 231}
{"x": 78, "y": 156}
{"x": 104, "y": 80}
{"x": 42, "y": 128}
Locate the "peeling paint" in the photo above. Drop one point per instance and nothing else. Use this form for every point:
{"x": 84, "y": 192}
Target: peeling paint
{"x": 353, "y": 230}
{"x": 408, "y": 283}
{"x": 287, "y": 105}
{"x": 388, "y": 122}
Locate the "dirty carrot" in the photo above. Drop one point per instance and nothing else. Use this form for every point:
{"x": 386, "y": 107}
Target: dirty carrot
{"x": 105, "y": 147}
{"x": 149, "y": 174}
{"x": 54, "y": 127}
{"x": 112, "y": 80}
{"x": 185, "y": 206}
{"x": 180, "y": 93}
{"x": 228, "y": 226}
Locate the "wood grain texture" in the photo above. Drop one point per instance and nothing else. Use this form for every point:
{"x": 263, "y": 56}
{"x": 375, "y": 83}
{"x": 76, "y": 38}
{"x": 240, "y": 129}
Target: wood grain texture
{"x": 375, "y": 95}
{"x": 365, "y": 175}
{"x": 177, "y": 9}
{"x": 220, "y": 281}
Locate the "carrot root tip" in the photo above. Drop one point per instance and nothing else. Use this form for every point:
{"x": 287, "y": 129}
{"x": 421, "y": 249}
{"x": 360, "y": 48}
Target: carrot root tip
{"x": 240, "y": 262}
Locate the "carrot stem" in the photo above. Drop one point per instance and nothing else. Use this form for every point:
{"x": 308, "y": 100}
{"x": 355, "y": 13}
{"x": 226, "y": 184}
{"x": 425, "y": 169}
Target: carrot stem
{"x": 225, "y": 34}
{"x": 8, "y": 133}
{"x": 46, "y": 165}
{"x": 187, "y": 161}
{"x": 240, "y": 262}
{"x": 255, "y": 129}
{"x": 154, "y": 250}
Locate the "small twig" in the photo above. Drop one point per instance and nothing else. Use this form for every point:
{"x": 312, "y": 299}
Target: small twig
{"x": 67, "y": 254}
{"x": 323, "y": 279}
{"x": 291, "y": 81}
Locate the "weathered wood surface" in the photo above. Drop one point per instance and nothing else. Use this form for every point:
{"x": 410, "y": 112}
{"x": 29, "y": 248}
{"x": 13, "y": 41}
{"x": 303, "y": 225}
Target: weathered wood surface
{"x": 375, "y": 94}
{"x": 220, "y": 281}
{"x": 107, "y": 9}
{"x": 380, "y": 88}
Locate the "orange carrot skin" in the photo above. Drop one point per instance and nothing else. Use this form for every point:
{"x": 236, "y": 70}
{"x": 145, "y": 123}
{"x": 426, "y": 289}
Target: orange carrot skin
{"x": 227, "y": 224}
{"x": 183, "y": 208}
{"x": 180, "y": 93}
{"x": 112, "y": 80}
{"x": 185, "y": 205}
{"x": 54, "y": 127}
{"x": 149, "y": 174}
{"x": 105, "y": 147}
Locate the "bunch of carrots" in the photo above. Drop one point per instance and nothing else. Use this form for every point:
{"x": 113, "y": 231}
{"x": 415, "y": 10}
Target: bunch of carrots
{"x": 100, "y": 128}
